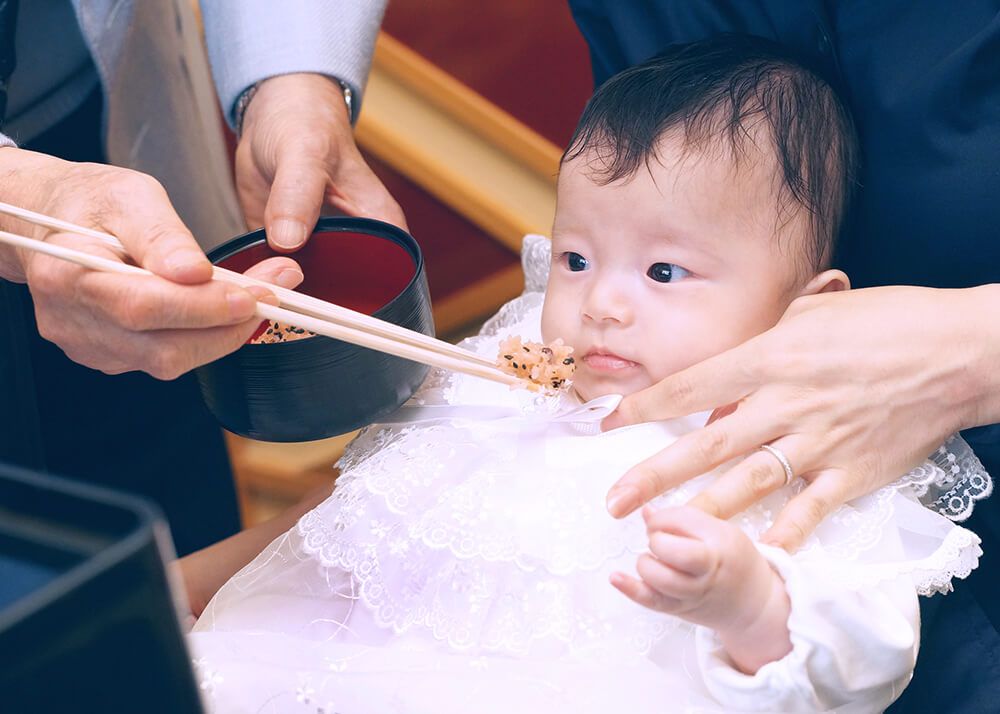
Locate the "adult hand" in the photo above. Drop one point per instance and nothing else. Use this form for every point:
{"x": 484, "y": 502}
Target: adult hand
{"x": 297, "y": 153}
{"x": 164, "y": 324}
{"x": 855, "y": 388}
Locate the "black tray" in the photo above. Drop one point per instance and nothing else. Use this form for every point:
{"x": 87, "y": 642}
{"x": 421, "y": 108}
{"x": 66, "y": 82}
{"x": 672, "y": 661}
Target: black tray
{"x": 87, "y": 620}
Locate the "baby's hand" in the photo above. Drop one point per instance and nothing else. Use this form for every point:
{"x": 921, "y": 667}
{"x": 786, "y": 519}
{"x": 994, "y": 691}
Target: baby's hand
{"x": 707, "y": 571}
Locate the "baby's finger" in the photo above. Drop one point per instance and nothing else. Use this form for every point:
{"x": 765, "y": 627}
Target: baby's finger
{"x": 685, "y": 521}
{"x": 667, "y": 581}
{"x": 639, "y": 592}
{"x": 687, "y": 555}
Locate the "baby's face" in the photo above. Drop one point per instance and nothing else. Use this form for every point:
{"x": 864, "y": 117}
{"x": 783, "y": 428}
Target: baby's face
{"x": 673, "y": 265}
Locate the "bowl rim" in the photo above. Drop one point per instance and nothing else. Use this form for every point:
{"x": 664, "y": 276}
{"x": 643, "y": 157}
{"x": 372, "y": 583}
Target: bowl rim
{"x": 333, "y": 224}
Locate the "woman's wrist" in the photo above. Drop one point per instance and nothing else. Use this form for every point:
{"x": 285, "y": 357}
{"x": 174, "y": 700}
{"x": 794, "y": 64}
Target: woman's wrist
{"x": 977, "y": 383}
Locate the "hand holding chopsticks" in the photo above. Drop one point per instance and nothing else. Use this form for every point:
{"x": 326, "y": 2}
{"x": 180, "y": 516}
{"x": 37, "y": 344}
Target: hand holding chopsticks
{"x": 296, "y": 309}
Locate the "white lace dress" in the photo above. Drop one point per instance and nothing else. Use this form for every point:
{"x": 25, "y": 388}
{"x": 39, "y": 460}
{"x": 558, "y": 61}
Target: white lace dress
{"x": 462, "y": 565}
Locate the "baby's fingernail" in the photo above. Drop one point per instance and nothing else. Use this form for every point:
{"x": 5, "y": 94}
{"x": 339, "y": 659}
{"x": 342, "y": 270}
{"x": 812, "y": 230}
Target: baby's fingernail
{"x": 289, "y": 278}
{"x": 287, "y": 234}
{"x": 622, "y": 500}
{"x": 241, "y": 304}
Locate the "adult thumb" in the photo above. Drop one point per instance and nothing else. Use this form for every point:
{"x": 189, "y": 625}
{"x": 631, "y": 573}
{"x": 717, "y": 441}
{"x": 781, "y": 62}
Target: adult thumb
{"x": 295, "y": 200}
{"x": 153, "y": 234}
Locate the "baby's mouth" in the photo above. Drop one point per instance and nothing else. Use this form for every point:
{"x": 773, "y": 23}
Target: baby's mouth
{"x": 601, "y": 361}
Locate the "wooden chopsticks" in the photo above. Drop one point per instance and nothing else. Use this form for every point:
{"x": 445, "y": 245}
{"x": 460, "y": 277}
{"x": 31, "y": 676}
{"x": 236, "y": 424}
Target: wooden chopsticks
{"x": 296, "y": 309}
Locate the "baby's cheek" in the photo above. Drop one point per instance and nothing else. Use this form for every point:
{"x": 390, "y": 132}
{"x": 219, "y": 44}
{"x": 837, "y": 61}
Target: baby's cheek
{"x": 550, "y": 324}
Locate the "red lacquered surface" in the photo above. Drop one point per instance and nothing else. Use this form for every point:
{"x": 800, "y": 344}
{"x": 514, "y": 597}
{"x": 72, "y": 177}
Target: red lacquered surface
{"x": 358, "y": 271}
{"x": 456, "y": 252}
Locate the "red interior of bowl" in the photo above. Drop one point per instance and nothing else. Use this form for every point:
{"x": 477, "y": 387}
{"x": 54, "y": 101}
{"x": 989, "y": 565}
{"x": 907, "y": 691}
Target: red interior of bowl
{"x": 359, "y": 271}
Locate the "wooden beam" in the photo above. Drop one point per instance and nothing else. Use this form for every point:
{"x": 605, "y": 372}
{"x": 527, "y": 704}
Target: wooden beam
{"x": 470, "y": 154}
{"x": 477, "y": 301}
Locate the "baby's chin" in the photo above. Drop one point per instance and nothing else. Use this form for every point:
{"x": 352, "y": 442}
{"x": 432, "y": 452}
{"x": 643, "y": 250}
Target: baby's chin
{"x": 589, "y": 389}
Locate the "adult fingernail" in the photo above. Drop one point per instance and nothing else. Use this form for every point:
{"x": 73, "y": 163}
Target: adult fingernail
{"x": 287, "y": 234}
{"x": 289, "y": 278}
{"x": 263, "y": 295}
{"x": 622, "y": 500}
{"x": 241, "y": 304}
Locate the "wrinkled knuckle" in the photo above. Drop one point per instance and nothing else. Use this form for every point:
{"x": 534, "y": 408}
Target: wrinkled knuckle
{"x": 136, "y": 313}
{"x": 166, "y": 362}
{"x": 145, "y": 183}
{"x": 761, "y": 479}
{"x": 50, "y": 329}
{"x": 159, "y": 234}
{"x": 630, "y": 411}
{"x": 123, "y": 184}
{"x": 817, "y": 509}
{"x": 794, "y": 533}
{"x": 45, "y": 282}
{"x": 682, "y": 390}
{"x": 313, "y": 145}
{"x": 711, "y": 444}
{"x": 652, "y": 477}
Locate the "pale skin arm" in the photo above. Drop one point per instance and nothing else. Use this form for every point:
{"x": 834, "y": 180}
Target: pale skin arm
{"x": 205, "y": 571}
{"x": 834, "y": 385}
{"x": 707, "y": 572}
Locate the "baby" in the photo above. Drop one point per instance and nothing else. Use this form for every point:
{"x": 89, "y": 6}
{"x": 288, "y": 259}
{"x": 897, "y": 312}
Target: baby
{"x": 462, "y": 563}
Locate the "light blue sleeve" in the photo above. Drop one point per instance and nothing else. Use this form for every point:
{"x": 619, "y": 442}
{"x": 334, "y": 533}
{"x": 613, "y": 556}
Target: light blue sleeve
{"x": 251, "y": 40}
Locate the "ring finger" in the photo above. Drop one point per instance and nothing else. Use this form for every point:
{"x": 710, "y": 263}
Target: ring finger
{"x": 759, "y": 474}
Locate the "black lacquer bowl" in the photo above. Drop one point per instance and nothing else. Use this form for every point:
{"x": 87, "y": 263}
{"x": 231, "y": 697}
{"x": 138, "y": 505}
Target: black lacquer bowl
{"x": 317, "y": 387}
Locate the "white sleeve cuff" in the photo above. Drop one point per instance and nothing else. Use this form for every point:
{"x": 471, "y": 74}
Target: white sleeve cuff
{"x": 850, "y": 649}
{"x": 251, "y": 40}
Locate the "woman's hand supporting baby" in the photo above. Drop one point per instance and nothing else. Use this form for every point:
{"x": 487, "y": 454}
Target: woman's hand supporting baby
{"x": 855, "y": 388}
{"x": 707, "y": 571}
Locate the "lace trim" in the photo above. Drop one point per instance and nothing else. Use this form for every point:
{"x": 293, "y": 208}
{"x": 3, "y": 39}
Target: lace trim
{"x": 961, "y": 481}
{"x": 469, "y": 605}
{"x": 956, "y": 557}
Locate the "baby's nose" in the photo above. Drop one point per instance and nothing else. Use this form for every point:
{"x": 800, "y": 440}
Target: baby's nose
{"x": 607, "y": 303}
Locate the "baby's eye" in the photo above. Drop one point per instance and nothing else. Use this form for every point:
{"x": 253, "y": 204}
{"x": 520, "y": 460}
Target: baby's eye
{"x": 575, "y": 262}
{"x": 666, "y": 272}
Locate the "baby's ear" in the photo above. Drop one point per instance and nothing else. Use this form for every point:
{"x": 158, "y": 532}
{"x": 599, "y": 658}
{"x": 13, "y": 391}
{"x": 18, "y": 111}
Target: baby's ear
{"x": 829, "y": 281}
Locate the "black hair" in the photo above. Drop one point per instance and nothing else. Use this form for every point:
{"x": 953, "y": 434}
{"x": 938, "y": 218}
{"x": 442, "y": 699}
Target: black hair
{"x": 723, "y": 88}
